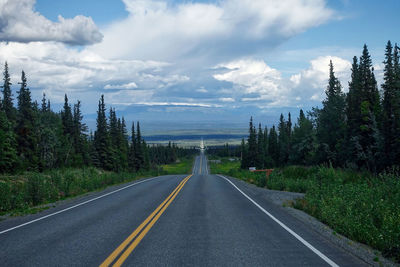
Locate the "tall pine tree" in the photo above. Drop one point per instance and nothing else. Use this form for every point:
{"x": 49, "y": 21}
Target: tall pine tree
{"x": 132, "y": 149}
{"x": 25, "y": 128}
{"x": 273, "y": 147}
{"x": 139, "y": 153}
{"x": 79, "y": 137}
{"x": 303, "y": 141}
{"x": 102, "y": 142}
{"x": 396, "y": 107}
{"x": 389, "y": 103}
{"x": 331, "y": 125}
{"x": 260, "y": 148}
{"x": 7, "y": 103}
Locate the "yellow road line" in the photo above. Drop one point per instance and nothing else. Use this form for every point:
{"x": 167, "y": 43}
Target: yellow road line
{"x": 124, "y": 244}
{"x": 134, "y": 244}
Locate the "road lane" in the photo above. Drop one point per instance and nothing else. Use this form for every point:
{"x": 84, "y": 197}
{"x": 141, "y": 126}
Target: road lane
{"x": 212, "y": 224}
{"x": 87, "y": 234}
{"x": 209, "y": 223}
{"x": 134, "y": 239}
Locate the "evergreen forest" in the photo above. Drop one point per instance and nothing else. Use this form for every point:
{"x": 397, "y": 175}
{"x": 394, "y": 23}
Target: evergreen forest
{"x": 35, "y": 138}
{"x": 358, "y": 130}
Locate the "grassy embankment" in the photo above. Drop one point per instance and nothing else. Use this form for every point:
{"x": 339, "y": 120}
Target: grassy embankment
{"x": 21, "y": 194}
{"x": 184, "y": 166}
{"x": 361, "y": 206}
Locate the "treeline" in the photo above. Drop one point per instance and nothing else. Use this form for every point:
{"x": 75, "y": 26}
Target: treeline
{"x": 226, "y": 150}
{"x": 35, "y": 138}
{"x": 357, "y": 130}
{"x": 161, "y": 154}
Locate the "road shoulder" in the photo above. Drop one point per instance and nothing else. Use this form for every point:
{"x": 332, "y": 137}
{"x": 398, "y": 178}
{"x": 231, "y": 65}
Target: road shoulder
{"x": 281, "y": 200}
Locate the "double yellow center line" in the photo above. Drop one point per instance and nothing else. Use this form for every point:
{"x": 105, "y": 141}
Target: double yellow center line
{"x": 128, "y": 246}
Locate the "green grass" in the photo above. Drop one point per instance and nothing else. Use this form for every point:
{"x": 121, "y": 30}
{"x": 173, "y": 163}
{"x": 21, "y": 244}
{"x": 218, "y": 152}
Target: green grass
{"x": 361, "y": 206}
{"x": 27, "y": 193}
{"x": 232, "y": 168}
{"x": 184, "y": 166}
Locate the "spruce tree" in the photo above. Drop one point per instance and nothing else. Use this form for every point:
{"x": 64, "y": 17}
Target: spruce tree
{"x": 389, "y": 102}
{"x": 243, "y": 155}
{"x": 51, "y": 137}
{"x": 7, "y": 103}
{"x": 44, "y": 104}
{"x": 25, "y": 128}
{"x": 68, "y": 132}
{"x": 283, "y": 141}
{"x": 139, "y": 153}
{"x": 102, "y": 142}
{"x": 132, "y": 149}
{"x": 273, "y": 147}
{"x": 303, "y": 141}
{"x": 331, "y": 121}
{"x": 114, "y": 137}
{"x": 370, "y": 114}
{"x": 396, "y": 104}
{"x": 266, "y": 155}
{"x": 66, "y": 117}
{"x": 260, "y": 148}
{"x": 353, "y": 113}
{"x": 252, "y": 146}
{"x": 79, "y": 137}
{"x": 123, "y": 144}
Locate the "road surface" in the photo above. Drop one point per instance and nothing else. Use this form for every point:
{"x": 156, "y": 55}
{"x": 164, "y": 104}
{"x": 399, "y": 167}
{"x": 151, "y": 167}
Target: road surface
{"x": 175, "y": 220}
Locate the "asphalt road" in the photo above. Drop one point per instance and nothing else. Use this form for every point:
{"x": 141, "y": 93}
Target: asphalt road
{"x": 179, "y": 220}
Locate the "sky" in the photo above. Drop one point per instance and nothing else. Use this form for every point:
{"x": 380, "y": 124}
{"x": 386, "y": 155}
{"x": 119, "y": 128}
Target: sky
{"x": 195, "y": 63}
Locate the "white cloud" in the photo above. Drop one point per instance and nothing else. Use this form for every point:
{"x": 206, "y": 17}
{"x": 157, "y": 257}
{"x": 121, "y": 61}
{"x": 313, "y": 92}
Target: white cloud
{"x": 202, "y": 90}
{"x": 312, "y": 82}
{"x": 131, "y": 85}
{"x": 20, "y": 23}
{"x": 255, "y": 78}
{"x": 227, "y": 99}
{"x": 161, "y": 30}
{"x": 56, "y": 69}
{"x": 167, "y": 49}
{"x": 164, "y": 81}
{"x": 256, "y": 82}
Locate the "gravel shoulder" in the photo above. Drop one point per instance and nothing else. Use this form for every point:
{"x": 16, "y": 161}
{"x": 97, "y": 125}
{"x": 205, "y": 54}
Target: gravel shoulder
{"x": 284, "y": 199}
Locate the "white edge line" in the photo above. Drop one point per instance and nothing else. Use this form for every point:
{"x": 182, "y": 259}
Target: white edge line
{"x": 316, "y": 251}
{"x": 77, "y": 205}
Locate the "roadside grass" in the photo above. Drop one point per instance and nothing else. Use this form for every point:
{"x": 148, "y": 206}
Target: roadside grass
{"x": 30, "y": 192}
{"x": 232, "y": 168}
{"x": 184, "y": 166}
{"x": 359, "y": 205}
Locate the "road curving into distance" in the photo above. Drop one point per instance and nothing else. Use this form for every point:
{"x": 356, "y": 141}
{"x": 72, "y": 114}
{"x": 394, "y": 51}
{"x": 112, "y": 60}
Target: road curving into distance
{"x": 177, "y": 220}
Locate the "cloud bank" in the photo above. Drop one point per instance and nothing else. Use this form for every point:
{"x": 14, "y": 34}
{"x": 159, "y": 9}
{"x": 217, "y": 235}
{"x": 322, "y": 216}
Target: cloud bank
{"x": 214, "y": 31}
{"x": 254, "y": 81}
{"x": 20, "y": 23}
{"x": 170, "y": 56}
